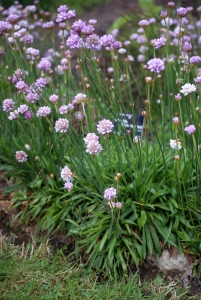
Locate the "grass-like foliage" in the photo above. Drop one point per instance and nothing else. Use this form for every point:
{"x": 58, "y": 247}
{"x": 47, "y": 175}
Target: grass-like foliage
{"x": 119, "y": 192}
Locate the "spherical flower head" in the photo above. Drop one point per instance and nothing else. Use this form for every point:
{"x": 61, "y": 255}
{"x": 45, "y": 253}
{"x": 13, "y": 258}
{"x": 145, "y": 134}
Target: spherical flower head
{"x": 28, "y": 115}
{"x": 80, "y": 98}
{"x": 175, "y": 144}
{"x": 105, "y": 126}
{"x": 118, "y": 205}
{"x": 62, "y": 8}
{"x": 92, "y": 21}
{"x": 8, "y": 105}
{"x": 13, "y": 18}
{"x": 69, "y": 186}
{"x": 44, "y": 65}
{"x": 5, "y": 27}
{"x": 176, "y": 120}
{"x": 49, "y": 25}
{"x": 190, "y": 129}
{"x": 94, "y": 147}
{"x": 78, "y": 25}
{"x": 158, "y": 43}
{"x": 71, "y": 14}
{"x": 63, "y": 109}
{"x": 187, "y": 47}
{"x": 110, "y": 194}
{"x": 53, "y": 98}
{"x": 22, "y": 109}
{"x": 171, "y": 4}
{"x": 66, "y": 174}
{"x": 13, "y": 115}
{"x": 21, "y": 156}
{"x": 198, "y": 79}
{"x": 187, "y": 89}
{"x": 61, "y": 125}
{"x": 122, "y": 51}
{"x": 79, "y": 116}
{"x": 74, "y": 41}
{"x": 143, "y": 23}
{"x": 70, "y": 106}
{"x": 43, "y": 111}
{"x": 87, "y": 29}
{"x": 181, "y": 12}
{"x": 194, "y": 60}
{"x": 93, "y": 42}
{"x": 156, "y": 65}
{"x": 107, "y": 40}
{"x": 91, "y": 137}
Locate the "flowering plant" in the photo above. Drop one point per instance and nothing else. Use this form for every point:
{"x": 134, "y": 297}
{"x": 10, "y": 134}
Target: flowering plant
{"x": 118, "y": 193}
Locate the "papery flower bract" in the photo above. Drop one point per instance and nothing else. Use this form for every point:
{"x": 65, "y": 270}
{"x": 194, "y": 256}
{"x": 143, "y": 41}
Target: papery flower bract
{"x": 8, "y": 105}
{"x": 175, "y": 144}
{"x": 61, "y": 125}
{"x": 66, "y": 174}
{"x": 111, "y": 204}
{"x": 187, "y": 89}
{"x": 105, "y": 126}
{"x": 110, "y": 194}
{"x": 79, "y": 116}
{"x": 156, "y": 65}
{"x": 43, "y": 111}
{"x": 21, "y": 156}
{"x": 190, "y": 129}
{"x": 94, "y": 147}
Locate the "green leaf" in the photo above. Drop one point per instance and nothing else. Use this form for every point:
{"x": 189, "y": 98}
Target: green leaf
{"x": 143, "y": 218}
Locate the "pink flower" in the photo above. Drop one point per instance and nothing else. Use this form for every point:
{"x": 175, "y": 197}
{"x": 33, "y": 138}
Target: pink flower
{"x": 110, "y": 194}
{"x": 61, "y": 125}
{"x": 94, "y": 147}
{"x": 69, "y": 186}
{"x": 66, "y": 174}
{"x": 104, "y": 126}
{"x": 91, "y": 137}
{"x": 21, "y": 156}
{"x": 190, "y": 129}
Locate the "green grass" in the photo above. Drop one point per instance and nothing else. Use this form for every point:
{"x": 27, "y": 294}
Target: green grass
{"x": 34, "y": 273}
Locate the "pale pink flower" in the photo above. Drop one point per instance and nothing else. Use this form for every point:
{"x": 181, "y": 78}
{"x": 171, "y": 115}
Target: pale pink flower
{"x": 61, "y": 125}
{"x": 105, "y": 126}
{"x": 21, "y": 156}
{"x": 66, "y": 174}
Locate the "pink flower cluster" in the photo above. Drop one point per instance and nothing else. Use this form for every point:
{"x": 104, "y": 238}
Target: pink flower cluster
{"x": 92, "y": 144}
